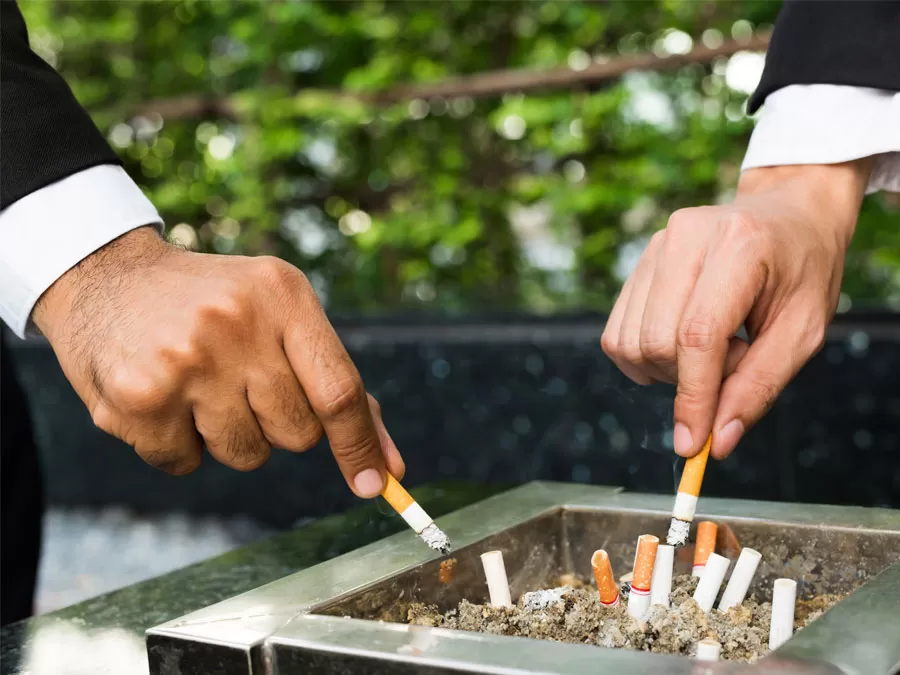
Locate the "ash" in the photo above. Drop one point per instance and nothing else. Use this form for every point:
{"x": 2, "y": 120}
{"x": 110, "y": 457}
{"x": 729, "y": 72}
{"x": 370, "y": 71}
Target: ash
{"x": 436, "y": 539}
{"x": 573, "y": 613}
{"x": 678, "y": 532}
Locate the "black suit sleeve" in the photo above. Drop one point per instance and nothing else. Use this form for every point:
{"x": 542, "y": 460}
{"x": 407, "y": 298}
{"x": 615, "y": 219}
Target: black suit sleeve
{"x": 845, "y": 42}
{"x": 45, "y": 135}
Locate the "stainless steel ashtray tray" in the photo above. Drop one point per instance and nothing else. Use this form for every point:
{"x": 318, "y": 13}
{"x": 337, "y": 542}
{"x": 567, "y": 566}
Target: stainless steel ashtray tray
{"x": 343, "y": 616}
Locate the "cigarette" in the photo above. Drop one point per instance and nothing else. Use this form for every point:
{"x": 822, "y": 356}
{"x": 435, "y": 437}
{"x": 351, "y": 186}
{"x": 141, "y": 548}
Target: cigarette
{"x": 711, "y": 581}
{"x": 644, "y": 559}
{"x": 784, "y": 597}
{"x": 741, "y": 576}
{"x": 414, "y": 515}
{"x": 706, "y": 544}
{"x": 606, "y": 582}
{"x": 495, "y": 573}
{"x": 708, "y": 650}
{"x": 661, "y": 584}
{"x": 686, "y": 499}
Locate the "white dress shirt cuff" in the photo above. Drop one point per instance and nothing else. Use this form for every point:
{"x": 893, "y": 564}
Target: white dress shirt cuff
{"x": 51, "y": 230}
{"x": 828, "y": 124}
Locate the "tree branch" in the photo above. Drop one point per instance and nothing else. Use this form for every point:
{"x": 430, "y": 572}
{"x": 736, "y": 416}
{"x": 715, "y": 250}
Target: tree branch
{"x": 480, "y": 85}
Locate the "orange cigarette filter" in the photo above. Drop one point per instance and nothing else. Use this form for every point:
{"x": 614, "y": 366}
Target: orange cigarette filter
{"x": 694, "y": 468}
{"x": 706, "y": 542}
{"x": 396, "y": 495}
{"x": 643, "y": 562}
{"x": 606, "y": 582}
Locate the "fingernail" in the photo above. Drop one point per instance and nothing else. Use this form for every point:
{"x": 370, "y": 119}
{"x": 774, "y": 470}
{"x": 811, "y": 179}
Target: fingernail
{"x": 368, "y": 483}
{"x": 682, "y": 440}
{"x": 727, "y": 438}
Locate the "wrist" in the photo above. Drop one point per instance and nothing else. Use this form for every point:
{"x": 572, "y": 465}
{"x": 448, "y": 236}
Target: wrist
{"x": 830, "y": 194}
{"x": 97, "y": 277}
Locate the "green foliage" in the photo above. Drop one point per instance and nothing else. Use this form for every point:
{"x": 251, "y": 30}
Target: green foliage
{"x": 413, "y": 204}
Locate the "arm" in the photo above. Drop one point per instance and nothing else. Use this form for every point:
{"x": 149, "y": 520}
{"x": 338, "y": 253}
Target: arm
{"x": 171, "y": 351}
{"x": 773, "y": 259}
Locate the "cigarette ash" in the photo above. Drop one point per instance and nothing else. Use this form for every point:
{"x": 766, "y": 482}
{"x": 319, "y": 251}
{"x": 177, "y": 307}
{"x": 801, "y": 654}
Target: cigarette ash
{"x": 435, "y": 538}
{"x": 571, "y": 612}
{"x": 678, "y": 532}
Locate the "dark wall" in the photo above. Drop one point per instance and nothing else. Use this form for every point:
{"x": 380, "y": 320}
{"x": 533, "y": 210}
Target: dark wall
{"x": 511, "y": 400}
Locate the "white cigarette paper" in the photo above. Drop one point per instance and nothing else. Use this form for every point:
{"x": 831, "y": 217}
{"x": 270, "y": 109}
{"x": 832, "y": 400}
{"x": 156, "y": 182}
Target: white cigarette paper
{"x": 711, "y": 581}
{"x": 661, "y": 585}
{"x": 495, "y": 573}
{"x": 638, "y": 603}
{"x": 784, "y": 598}
{"x": 740, "y": 580}
{"x": 708, "y": 650}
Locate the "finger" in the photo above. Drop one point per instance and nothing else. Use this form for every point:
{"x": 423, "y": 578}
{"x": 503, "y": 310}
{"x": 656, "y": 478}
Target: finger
{"x": 609, "y": 341}
{"x": 171, "y": 445}
{"x": 231, "y": 430}
{"x": 281, "y": 407}
{"x": 737, "y": 349}
{"x": 726, "y": 290}
{"x": 392, "y": 458}
{"x": 338, "y": 398}
{"x": 761, "y": 375}
{"x": 629, "y": 347}
{"x": 678, "y": 266}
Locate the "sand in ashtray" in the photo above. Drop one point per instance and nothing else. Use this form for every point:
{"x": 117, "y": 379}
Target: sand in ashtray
{"x": 572, "y": 613}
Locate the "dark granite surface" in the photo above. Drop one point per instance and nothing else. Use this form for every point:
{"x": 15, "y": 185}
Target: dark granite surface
{"x": 515, "y": 399}
{"x": 106, "y": 634}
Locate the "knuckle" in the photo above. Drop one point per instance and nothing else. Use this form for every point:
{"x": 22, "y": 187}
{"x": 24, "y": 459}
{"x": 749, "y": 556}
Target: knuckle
{"x": 696, "y": 333}
{"x": 658, "y": 346}
{"x": 814, "y": 338}
{"x": 231, "y": 307}
{"x": 374, "y": 405}
{"x": 170, "y": 461}
{"x": 103, "y": 419}
{"x": 357, "y": 454}
{"x": 740, "y": 230}
{"x": 279, "y": 274}
{"x": 136, "y": 393}
{"x": 309, "y": 437}
{"x": 657, "y": 240}
{"x": 247, "y": 458}
{"x": 630, "y": 350}
{"x": 765, "y": 391}
{"x": 609, "y": 344}
{"x": 342, "y": 397}
{"x": 680, "y": 222}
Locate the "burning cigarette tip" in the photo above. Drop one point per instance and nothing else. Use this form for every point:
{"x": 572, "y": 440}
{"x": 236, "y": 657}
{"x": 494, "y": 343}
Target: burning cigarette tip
{"x": 415, "y": 516}
{"x": 678, "y": 532}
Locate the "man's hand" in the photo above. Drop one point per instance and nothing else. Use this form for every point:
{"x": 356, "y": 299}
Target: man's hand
{"x": 772, "y": 261}
{"x": 172, "y": 350}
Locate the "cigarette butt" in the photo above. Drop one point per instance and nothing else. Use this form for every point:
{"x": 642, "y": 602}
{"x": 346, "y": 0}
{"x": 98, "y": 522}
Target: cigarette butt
{"x": 414, "y": 515}
{"x": 644, "y": 559}
{"x": 495, "y": 573}
{"x": 606, "y": 582}
{"x": 661, "y": 584}
{"x": 711, "y": 581}
{"x": 784, "y": 598}
{"x": 708, "y": 650}
{"x": 706, "y": 544}
{"x": 688, "y": 493}
{"x": 740, "y": 580}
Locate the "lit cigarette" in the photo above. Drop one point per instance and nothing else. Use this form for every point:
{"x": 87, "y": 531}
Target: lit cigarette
{"x": 415, "y": 515}
{"x": 644, "y": 559}
{"x": 711, "y": 581}
{"x": 661, "y": 584}
{"x": 686, "y": 499}
{"x": 706, "y": 544}
{"x": 495, "y": 573}
{"x": 784, "y": 597}
{"x": 741, "y": 576}
{"x": 708, "y": 650}
{"x": 606, "y": 582}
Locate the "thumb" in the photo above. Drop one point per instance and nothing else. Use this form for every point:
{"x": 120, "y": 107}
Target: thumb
{"x": 770, "y": 363}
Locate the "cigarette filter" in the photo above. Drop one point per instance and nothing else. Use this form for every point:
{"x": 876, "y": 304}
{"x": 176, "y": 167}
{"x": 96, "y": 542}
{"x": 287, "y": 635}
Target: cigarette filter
{"x": 711, "y": 580}
{"x": 708, "y": 650}
{"x": 706, "y": 544}
{"x": 644, "y": 559}
{"x": 741, "y": 576}
{"x": 495, "y": 573}
{"x": 686, "y": 499}
{"x": 414, "y": 515}
{"x": 606, "y": 582}
{"x": 661, "y": 584}
{"x": 784, "y": 598}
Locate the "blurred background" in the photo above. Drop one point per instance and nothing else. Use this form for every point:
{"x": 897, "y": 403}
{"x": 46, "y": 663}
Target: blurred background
{"x": 467, "y": 184}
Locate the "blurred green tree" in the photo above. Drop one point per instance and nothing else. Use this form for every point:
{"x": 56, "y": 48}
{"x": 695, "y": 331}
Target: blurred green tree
{"x": 264, "y": 128}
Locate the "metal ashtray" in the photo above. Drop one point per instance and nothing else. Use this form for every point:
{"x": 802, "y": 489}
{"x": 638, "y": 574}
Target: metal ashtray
{"x": 343, "y": 616}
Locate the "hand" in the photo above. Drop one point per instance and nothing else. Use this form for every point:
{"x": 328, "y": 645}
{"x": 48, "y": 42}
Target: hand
{"x": 772, "y": 261}
{"x": 172, "y": 350}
